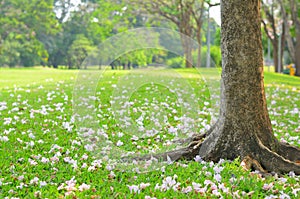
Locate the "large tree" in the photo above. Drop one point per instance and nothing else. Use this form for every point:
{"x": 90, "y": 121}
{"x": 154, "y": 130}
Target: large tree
{"x": 243, "y": 129}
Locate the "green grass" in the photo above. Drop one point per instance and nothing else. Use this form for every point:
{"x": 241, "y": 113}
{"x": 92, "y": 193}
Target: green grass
{"x": 41, "y": 149}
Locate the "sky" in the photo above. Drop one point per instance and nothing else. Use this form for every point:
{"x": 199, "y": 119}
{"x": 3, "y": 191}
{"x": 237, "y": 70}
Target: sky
{"x": 215, "y": 13}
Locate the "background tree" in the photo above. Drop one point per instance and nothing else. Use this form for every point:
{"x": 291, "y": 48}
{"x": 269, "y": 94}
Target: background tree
{"x": 78, "y": 51}
{"x": 180, "y": 13}
{"x": 272, "y": 23}
{"x": 23, "y": 26}
{"x": 291, "y": 16}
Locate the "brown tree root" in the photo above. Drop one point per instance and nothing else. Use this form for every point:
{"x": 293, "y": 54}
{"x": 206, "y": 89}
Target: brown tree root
{"x": 186, "y": 153}
{"x": 195, "y": 137}
{"x": 289, "y": 152}
{"x": 272, "y": 161}
{"x": 264, "y": 160}
{"x": 250, "y": 164}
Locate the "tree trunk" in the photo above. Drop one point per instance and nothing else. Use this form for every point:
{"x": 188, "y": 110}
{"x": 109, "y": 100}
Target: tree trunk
{"x": 275, "y": 55}
{"x": 199, "y": 48}
{"x": 243, "y": 129}
{"x": 187, "y": 46}
{"x": 297, "y": 55}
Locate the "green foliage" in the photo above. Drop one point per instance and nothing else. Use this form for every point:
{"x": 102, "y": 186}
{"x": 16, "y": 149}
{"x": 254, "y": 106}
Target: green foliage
{"x": 217, "y": 40}
{"x": 23, "y": 25}
{"x": 176, "y": 62}
{"x": 78, "y": 51}
{"x": 215, "y": 53}
{"x": 215, "y": 56}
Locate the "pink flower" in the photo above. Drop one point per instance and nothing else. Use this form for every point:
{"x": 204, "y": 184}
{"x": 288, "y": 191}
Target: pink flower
{"x": 134, "y": 189}
{"x": 218, "y": 177}
{"x": 83, "y": 187}
{"x": 119, "y": 143}
{"x": 34, "y": 180}
{"x": 44, "y": 160}
{"x": 187, "y": 189}
{"x": 268, "y": 186}
{"x": 144, "y": 185}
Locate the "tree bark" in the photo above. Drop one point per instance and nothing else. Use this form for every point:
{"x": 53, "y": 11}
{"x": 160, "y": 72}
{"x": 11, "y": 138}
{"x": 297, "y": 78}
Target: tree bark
{"x": 297, "y": 55}
{"x": 243, "y": 129}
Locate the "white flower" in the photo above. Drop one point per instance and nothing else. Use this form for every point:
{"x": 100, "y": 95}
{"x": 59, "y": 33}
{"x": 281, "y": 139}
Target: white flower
{"x": 149, "y": 197}
{"x": 119, "y": 143}
{"x": 218, "y": 177}
{"x": 218, "y": 169}
{"x": 31, "y": 136}
{"x": 7, "y": 121}
{"x": 144, "y": 185}
{"x": 284, "y": 195}
{"x": 91, "y": 168}
{"x": 44, "y": 160}
{"x": 20, "y": 178}
{"x": 216, "y": 192}
{"x": 198, "y": 159}
{"x": 83, "y": 187}
{"x": 206, "y": 103}
{"x": 43, "y": 183}
{"x": 89, "y": 147}
{"x": 32, "y": 162}
{"x": 134, "y": 189}
{"x": 292, "y": 174}
{"x": 34, "y": 180}
{"x": 4, "y": 138}
{"x": 187, "y": 189}
{"x": 268, "y": 186}
{"x": 84, "y": 157}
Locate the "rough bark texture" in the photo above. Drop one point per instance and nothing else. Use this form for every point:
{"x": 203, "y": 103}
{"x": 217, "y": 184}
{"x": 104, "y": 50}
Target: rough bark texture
{"x": 243, "y": 129}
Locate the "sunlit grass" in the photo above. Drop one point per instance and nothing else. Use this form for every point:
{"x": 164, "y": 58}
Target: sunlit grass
{"x": 41, "y": 151}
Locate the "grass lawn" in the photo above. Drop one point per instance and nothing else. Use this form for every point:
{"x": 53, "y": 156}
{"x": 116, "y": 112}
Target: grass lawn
{"x": 46, "y": 153}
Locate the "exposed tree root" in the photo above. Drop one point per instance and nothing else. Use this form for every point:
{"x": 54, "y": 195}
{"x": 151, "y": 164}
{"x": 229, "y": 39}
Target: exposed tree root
{"x": 195, "y": 137}
{"x": 272, "y": 161}
{"x": 186, "y": 153}
{"x": 249, "y": 163}
{"x": 289, "y": 152}
{"x": 264, "y": 160}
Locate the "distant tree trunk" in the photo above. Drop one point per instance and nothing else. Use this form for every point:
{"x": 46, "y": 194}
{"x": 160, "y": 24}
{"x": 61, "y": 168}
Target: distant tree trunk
{"x": 243, "y": 129}
{"x": 292, "y": 43}
{"x": 297, "y": 55}
{"x": 197, "y": 28}
{"x": 186, "y": 31}
{"x": 199, "y": 49}
{"x": 270, "y": 28}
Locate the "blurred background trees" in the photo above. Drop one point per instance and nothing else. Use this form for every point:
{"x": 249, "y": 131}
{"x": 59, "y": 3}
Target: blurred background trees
{"x": 61, "y": 33}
